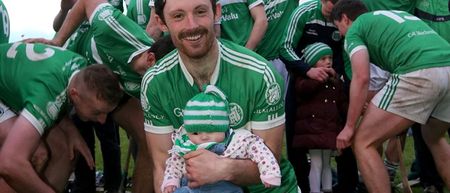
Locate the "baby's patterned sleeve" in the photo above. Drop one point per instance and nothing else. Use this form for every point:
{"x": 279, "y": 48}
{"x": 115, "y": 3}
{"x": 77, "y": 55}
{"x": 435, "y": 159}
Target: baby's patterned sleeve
{"x": 267, "y": 164}
{"x": 174, "y": 171}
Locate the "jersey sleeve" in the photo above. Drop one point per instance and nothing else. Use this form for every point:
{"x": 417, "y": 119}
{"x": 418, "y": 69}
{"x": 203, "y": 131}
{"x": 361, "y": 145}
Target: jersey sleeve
{"x": 269, "y": 102}
{"x": 354, "y": 39}
{"x": 292, "y": 35}
{"x": 155, "y": 118}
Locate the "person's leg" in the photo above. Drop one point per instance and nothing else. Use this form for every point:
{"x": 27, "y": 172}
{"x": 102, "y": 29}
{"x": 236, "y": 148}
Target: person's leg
{"x": 326, "y": 170}
{"x": 376, "y": 127}
{"x": 347, "y": 172}
{"x": 433, "y": 133}
{"x": 84, "y": 176}
{"x": 131, "y": 118}
{"x": 316, "y": 170}
{"x": 427, "y": 169}
{"x": 108, "y": 135}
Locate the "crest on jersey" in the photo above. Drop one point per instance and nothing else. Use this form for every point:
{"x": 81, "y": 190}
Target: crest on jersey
{"x": 273, "y": 94}
{"x": 131, "y": 86}
{"x": 336, "y": 36}
{"x": 236, "y": 114}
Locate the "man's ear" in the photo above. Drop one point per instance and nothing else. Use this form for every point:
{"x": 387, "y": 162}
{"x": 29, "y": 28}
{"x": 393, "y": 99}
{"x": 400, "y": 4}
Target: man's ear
{"x": 151, "y": 59}
{"x": 161, "y": 23}
{"x": 345, "y": 19}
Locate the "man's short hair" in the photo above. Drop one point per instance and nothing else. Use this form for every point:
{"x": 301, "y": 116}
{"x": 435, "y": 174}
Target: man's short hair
{"x": 159, "y": 8}
{"x": 103, "y": 81}
{"x": 162, "y": 47}
{"x": 351, "y": 8}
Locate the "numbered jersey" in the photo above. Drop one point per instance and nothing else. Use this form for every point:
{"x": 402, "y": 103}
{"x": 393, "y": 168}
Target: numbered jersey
{"x": 397, "y": 41}
{"x": 4, "y": 24}
{"x": 34, "y": 78}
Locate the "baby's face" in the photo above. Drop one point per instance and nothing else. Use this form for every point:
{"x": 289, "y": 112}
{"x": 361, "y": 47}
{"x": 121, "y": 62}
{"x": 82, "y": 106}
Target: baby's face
{"x": 203, "y": 137}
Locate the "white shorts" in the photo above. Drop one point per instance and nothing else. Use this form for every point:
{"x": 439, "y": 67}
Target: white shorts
{"x": 378, "y": 78}
{"x": 417, "y": 95}
{"x": 5, "y": 112}
{"x": 281, "y": 68}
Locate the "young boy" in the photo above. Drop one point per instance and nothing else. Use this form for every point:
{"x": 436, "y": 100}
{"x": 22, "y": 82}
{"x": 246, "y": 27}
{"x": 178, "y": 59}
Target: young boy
{"x": 206, "y": 126}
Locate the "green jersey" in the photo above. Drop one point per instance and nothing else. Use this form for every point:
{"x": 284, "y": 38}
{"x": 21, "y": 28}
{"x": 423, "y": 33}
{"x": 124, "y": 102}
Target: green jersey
{"x": 398, "y": 42}
{"x": 236, "y": 22}
{"x": 436, "y": 13}
{"x": 4, "y": 24}
{"x": 118, "y": 40}
{"x": 278, "y": 13}
{"x": 253, "y": 90}
{"x": 401, "y": 5}
{"x": 34, "y": 79}
{"x": 139, "y": 11}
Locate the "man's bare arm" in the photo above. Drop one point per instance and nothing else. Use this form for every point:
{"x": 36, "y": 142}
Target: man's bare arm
{"x": 259, "y": 26}
{"x": 158, "y": 147}
{"x": 15, "y": 155}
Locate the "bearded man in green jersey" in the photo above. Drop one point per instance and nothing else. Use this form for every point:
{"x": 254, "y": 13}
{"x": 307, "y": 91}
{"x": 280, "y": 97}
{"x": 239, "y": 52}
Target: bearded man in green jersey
{"x": 254, "y": 89}
{"x": 39, "y": 84}
{"x": 417, "y": 91}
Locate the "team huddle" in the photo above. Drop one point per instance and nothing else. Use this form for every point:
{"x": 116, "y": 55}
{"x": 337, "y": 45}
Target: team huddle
{"x": 211, "y": 90}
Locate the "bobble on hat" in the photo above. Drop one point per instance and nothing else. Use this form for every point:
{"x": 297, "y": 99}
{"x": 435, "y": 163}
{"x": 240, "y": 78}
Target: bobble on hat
{"x": 313, "y": 52}
{"x": 207, "y": 111}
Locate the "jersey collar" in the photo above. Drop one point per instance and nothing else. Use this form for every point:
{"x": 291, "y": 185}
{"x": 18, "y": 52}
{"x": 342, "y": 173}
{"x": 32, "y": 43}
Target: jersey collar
{"x": 215, "y": 74}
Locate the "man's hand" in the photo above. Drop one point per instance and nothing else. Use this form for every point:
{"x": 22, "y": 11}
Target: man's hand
{"x": 204, "y": 167}
{"x": 43, "y": 41}
{"x": 345, "y": 137}
{"x": 320, "y": 74}
{"x": 75, "y": 142}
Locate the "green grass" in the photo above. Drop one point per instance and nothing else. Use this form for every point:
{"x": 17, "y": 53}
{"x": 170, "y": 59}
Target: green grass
{"x": 408, "y": 157}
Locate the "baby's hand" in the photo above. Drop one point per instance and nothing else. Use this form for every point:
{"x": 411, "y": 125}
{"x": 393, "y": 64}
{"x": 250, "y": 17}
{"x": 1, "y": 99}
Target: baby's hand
{"x": 267, "y": 185}
{"x": 169, "y": 189}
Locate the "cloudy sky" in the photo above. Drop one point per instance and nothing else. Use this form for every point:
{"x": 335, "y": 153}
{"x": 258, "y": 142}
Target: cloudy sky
{"x": 31, "y": 18}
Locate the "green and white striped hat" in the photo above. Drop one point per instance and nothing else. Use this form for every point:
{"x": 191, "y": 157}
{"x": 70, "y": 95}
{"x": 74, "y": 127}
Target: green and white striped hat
{"x": 314, "y": 52}
{"x": 207, "y": 111}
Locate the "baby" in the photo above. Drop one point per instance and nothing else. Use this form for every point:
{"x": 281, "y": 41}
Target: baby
{"x": 206, "y": 125}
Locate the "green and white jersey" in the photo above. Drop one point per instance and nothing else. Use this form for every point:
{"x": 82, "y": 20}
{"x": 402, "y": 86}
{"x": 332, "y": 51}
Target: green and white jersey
{"x": 236, "y": 22}
{"x": 278, "y": 13}
{"x": 139, "y": 11}
{"x": 34, "y": 79}
{"x": 4, "y": 24}
{"x": 400, "y": 5}
{"x": 397, "y": 42}
{"x": 118, "y": 40}
{"x": 252, "y": 88}
{"x": 436, "y": 13}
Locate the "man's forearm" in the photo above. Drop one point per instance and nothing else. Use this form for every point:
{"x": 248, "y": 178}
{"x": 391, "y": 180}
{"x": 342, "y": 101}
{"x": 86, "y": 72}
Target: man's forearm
{"x": 296, "y": 66}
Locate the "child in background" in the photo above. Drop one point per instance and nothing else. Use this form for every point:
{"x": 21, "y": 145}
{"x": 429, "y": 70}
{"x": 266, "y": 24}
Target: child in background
{"x": 320, "y": 116}
{"x": 206, "y": 126}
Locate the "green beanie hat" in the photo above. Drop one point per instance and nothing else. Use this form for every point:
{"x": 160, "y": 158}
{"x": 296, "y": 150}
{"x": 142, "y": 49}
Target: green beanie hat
{"x": 314, "y": 52}
{"x": 207, "y": 112}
